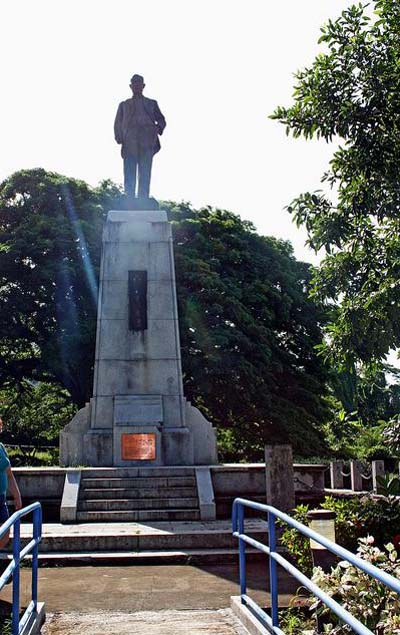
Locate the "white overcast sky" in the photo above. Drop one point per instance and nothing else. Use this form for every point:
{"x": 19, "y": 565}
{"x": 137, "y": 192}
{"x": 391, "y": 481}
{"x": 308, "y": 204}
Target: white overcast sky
{"x": 217, "y": 69}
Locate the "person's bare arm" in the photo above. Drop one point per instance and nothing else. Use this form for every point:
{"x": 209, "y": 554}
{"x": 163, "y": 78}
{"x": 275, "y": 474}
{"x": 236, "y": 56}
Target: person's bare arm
{"x": 14, "y": 489}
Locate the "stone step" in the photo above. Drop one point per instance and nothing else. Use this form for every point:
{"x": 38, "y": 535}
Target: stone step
{"x": 136, "y": 503}
{"x": 146, "y": 492}
{"x": 138, "y": 537}
{"x": 108, "y": 543}
{"x": 158, "y": 482}
{"x": 185, "y": 556}
{"x": 136, "y": 472}
{"x": 138, "y": 515}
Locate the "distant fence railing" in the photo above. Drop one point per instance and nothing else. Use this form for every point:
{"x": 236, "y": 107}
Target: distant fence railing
{"x": 358, "y": 475}
{"x": 18, "y": 625}
{"x": 271, "y": 622}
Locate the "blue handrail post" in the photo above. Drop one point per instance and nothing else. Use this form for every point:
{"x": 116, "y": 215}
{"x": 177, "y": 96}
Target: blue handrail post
{"x": 20, "y": 625}
{"x": 37, "y": 532}
{"x": 242, "y": 553}
{"x": 16, "y": 558}
{"x": 273, "y": 577}
{"x": 343, "y": 614}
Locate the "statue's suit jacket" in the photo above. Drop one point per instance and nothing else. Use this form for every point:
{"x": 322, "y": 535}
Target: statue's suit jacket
{"x": 123, "y": 122}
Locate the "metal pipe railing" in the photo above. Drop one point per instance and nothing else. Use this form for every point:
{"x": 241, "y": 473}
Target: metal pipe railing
{"x": 272, "y": 622}
{"x": 17, "y": 625}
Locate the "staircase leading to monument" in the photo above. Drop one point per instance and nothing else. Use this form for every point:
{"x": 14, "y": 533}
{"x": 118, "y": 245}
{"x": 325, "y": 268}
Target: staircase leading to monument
{"x": 132, "y": 495}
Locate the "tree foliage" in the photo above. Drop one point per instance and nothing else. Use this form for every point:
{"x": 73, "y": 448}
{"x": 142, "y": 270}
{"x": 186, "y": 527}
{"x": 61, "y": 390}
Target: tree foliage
{"x": 248, "y": 332}
{"x": 248, "y": 328}
{"x": 49, "y": 258}
{"x": 34, "y": 413}
{"x": 374, "y": 604}
{"x": 351, "y": 94}
{"x": 363, "y": 407}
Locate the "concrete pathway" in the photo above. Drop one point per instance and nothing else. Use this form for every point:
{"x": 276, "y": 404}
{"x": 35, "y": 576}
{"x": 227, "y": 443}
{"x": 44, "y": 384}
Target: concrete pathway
{"x": 220, "y": 622}
{"x": 146, "y": 588}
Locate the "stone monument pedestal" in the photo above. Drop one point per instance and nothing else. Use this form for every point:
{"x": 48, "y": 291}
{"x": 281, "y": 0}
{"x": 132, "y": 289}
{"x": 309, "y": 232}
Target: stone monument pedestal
{"x": 138, "y": 414}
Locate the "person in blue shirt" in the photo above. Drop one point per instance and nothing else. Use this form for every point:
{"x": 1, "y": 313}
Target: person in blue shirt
{"x": 7, "y": 481}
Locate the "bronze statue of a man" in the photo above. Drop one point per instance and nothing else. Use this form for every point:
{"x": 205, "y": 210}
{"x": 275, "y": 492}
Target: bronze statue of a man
{"x": 137, "y": 125}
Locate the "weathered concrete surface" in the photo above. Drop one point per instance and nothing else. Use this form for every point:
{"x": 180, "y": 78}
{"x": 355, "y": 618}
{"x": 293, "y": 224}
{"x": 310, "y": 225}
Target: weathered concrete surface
{"x": 140, "y": 363}
{"x": 72, "y": 451}
{"x": 247, "y": 617}
{"x": 279, "y": 477}
{"x": 142, "y": 536}
{"x": 69, "y": 501}
{"x": 205, "y": 493}
{"x": 204, "y": 439}
{"x": 145, "y": 588}
{"x": 221, "y": 622}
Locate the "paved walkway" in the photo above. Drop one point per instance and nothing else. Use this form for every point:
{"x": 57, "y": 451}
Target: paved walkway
{"x": 145, "y": 588}
{"x": 133, "y": 600}
{"x": 221, "y": 622}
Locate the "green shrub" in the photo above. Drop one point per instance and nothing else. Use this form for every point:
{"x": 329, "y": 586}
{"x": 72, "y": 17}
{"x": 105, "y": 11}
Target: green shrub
{"x": 355, "y": 518}
{"x": 297, "y": 544}
{"x": 294, "y": 620}
{"x": 389, "y": 485}
{"x": 33, "y": 457}
{"x": 374, "y": 604}
{"x": 347, "y": 524}
{"x": 366, "y": 516}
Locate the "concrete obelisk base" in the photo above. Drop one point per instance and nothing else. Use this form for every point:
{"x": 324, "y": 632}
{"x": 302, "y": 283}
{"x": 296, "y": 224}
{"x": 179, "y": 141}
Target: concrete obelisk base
{"x": 138, "y": 414}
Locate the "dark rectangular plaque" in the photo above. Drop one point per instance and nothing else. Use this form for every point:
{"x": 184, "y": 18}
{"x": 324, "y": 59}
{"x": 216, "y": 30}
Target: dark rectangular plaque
{"x": 130, "y": 410}
{"x": 137, "y": 293}
{"x": 138, "y": 447}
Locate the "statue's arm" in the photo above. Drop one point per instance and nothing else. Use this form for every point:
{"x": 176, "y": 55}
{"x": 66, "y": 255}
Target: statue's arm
{"x": 118, "y": 125}
{"x": 160, "y": 119}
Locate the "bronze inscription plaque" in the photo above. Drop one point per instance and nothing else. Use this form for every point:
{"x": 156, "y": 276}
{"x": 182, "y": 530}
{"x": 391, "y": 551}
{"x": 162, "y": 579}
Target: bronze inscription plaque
{"x": 138, "y": 447}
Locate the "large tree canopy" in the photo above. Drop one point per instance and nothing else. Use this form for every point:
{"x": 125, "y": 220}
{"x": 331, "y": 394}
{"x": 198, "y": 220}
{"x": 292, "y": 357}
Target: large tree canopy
{"x": 351, "y": 93}
{"x": 248, "y": 328}
{"x": 49, "y": 257}
{"x": 248, "y": 331}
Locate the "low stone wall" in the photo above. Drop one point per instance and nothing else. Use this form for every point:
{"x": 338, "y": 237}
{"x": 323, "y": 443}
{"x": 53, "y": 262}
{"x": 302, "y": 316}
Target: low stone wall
{"x": 247, "y": 480}
{"x": 43, "y": 484}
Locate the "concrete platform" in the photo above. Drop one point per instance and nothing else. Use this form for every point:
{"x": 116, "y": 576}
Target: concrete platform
{"x": 221, "y": 622}
{"x": 177, "y": 541}
{"x": 247, "y": 618}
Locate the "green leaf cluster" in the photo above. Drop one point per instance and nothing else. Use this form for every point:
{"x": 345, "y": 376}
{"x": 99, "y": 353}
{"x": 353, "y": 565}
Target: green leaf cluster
{"x": 356, "y": 518}
{"x": 351, "y": 95}
{"x": 34, "y": 413}
{"x": 371, "y": 602}
{"x": 248, "y": 333}
{"x": 50, "y": 227}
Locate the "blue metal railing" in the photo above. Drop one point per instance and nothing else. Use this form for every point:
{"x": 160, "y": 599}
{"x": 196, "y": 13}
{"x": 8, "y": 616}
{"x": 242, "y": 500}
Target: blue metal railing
{"x": 272, "y": 621}
{"x": 18, "y": 625}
